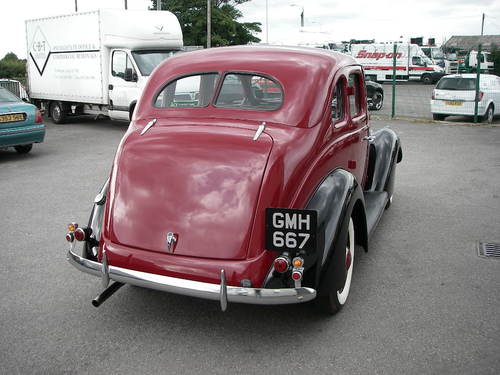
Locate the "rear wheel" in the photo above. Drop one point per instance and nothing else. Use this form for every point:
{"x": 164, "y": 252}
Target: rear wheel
{"x": 377, "y": 101}
{"x": 336, "y": 299}
{"x": 57, "y": 112}
{"x": 488, "y": 116}
{"x": 23, "y": 149}
{"x": 438, "y": 117}
{"x": 427, "y": 79}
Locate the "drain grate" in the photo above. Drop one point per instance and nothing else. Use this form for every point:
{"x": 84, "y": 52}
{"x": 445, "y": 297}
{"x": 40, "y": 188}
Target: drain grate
{"x": 488, "y": 249}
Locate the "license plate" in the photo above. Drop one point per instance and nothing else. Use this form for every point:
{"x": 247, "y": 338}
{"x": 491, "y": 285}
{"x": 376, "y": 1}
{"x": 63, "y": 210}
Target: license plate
{"x": 453, "y": 103}
{"x": 12, "y": 117}
{"x": 291, "y": 230}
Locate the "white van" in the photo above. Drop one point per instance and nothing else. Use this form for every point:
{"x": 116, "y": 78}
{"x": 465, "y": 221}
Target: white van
{"x": 455, "y": 95}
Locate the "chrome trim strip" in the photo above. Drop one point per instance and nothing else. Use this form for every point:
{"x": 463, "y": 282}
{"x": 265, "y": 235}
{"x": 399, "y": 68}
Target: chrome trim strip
{"x": 148, "y": 125}
{"x": 259, "y": 131}
{"x": 258, "y": 296}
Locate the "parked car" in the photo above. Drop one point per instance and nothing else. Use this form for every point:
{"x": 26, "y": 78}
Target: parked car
{"x": 21, "y": 123}
{"x": 374, "y": 94}
{"x": 455, "y": 95}
{"x": 258, "y": 200}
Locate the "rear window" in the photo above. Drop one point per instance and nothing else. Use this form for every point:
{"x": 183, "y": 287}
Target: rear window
{"x": 188, "y": 92}
{"x": 247, "y": 91}
{"x": 456, "y": 83}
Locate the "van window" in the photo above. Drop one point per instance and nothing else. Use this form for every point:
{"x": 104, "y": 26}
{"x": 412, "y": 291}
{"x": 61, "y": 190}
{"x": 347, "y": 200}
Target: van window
{"x": 188, "y": 92}
{"x": 247, "y": 91}
{"x": 120, "y": 64}
{"x": 456, "y": 83}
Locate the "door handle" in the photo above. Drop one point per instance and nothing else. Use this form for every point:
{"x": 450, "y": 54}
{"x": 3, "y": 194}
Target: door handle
{"x": 110, "y": 87}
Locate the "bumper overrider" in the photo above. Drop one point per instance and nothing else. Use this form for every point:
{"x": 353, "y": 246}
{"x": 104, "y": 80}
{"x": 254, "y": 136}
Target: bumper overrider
{"x": 217, "y": 292}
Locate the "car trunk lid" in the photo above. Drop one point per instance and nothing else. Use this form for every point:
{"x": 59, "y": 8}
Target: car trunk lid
{"x": 198, "y": 182}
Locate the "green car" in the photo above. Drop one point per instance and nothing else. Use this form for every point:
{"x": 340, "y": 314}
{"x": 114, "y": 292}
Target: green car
{"x": 21, "y": 123}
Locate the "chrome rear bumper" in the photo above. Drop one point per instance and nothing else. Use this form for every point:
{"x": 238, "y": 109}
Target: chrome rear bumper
{"x": 217, "y": 292}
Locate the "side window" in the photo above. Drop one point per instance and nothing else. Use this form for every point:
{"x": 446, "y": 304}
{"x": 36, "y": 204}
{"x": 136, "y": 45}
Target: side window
{"x": 354, "y": 92}
{"x": 120, "y": 64}
{"x": 338, "y": 101}
{"x": 188, "y": 92}
{"x": 415, "y": 60}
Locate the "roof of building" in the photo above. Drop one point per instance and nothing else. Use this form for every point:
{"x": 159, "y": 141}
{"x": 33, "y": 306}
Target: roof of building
{"x": 471, "y": 42}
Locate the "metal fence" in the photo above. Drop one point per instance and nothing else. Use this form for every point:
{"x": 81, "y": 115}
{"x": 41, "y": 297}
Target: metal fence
{"x": 14, "y": 87}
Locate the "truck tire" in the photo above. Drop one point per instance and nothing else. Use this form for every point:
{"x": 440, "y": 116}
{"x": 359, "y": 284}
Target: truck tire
{"x": 426, "y": 79}
{"x": 438, "y": 117}
{"x": 57, "y": 112}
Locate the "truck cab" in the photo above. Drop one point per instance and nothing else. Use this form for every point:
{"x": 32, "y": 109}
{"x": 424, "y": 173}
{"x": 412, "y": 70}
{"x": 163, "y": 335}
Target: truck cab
{"x": 129, "y": 71}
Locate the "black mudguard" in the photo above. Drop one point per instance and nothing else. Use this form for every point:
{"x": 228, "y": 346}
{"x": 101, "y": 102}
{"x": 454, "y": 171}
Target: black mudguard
{"x": 337, "y": 197}
{"x": 385, "y": 152}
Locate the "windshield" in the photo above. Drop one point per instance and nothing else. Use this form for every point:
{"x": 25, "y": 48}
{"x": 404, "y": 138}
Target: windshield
{"x": 7, "y": 97}
{"x": 148, "y": 60}
{"x": 456, "y": 84}
{"x": 437, "y": 54}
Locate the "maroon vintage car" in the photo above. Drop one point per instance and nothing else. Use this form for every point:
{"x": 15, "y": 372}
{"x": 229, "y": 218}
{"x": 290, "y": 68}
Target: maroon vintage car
{"x": 249, "y": 175}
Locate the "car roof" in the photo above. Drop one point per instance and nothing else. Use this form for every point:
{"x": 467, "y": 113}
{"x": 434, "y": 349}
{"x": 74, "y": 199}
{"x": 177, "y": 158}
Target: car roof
{"x": 304, "y": 74}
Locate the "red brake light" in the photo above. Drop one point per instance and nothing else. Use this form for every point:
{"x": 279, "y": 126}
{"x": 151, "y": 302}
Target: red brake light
{"x": 38, "y": 116}
{"x": 281, "y": 264}
{"x": 297, "y": 275}
{"x": 70, "y": 237}
{"x": 82, "y": 234}
{"x": 479, "y": 96}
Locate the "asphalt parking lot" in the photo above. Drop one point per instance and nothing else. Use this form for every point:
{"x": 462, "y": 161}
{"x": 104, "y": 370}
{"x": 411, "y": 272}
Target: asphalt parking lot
{"x": 421, "y": 302}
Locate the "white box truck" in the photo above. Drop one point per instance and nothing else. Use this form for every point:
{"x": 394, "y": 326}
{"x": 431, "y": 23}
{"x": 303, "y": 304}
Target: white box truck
{"x": 411, "y": 62}
{"x": 97, "y": 62}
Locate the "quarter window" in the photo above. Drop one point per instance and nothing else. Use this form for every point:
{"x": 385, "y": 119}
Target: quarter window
{"x": 338, "y": 101}
{"x": 188, "y": 92}
{"x": 354, "y": 94}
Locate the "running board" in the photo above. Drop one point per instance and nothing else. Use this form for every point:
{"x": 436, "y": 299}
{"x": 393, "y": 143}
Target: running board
{"x": 375, "y": 202}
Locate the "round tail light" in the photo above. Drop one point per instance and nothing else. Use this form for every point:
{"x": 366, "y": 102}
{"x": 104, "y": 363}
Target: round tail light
{"x": 70, "y": 237}
{"x": 297, "y": 275}
{"x": 281, "y": 264}
{"x": 82, "y": 234}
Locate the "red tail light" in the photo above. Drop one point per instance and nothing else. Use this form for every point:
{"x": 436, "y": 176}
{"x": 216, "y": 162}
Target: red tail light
{"x": 433, "y": 97}
{"x": 297, "y": 275}
{"x": 38, "y": 116}
{"x": 82, "y": 234}
{"x": 479, "y": 96}
{"x": 70, "y": 237}
{"x": 282, "y": 264}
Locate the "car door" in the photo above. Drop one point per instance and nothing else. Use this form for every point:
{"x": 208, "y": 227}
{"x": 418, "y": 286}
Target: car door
{"x": 123, "y": 86}
{"x": 346, "y": 138}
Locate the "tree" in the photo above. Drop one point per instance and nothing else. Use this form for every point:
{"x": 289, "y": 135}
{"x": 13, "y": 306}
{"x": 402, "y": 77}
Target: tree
{"x": 226, "y": 30}
{"x": 11, "y": 67}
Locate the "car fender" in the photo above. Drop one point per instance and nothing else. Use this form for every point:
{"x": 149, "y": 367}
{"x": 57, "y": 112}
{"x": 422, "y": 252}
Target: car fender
{"x": 96, "y": 219}
{"x": 385, "y": 152}
{"x": 337, "y": 197}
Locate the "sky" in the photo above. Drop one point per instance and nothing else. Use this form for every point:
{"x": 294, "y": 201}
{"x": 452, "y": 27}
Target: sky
{"x": 325, "y": 20}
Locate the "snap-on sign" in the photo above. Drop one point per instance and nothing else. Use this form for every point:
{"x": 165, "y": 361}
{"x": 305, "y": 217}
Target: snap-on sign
{"x": 363, "y": 54}
{"x": 291, "y": 230}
